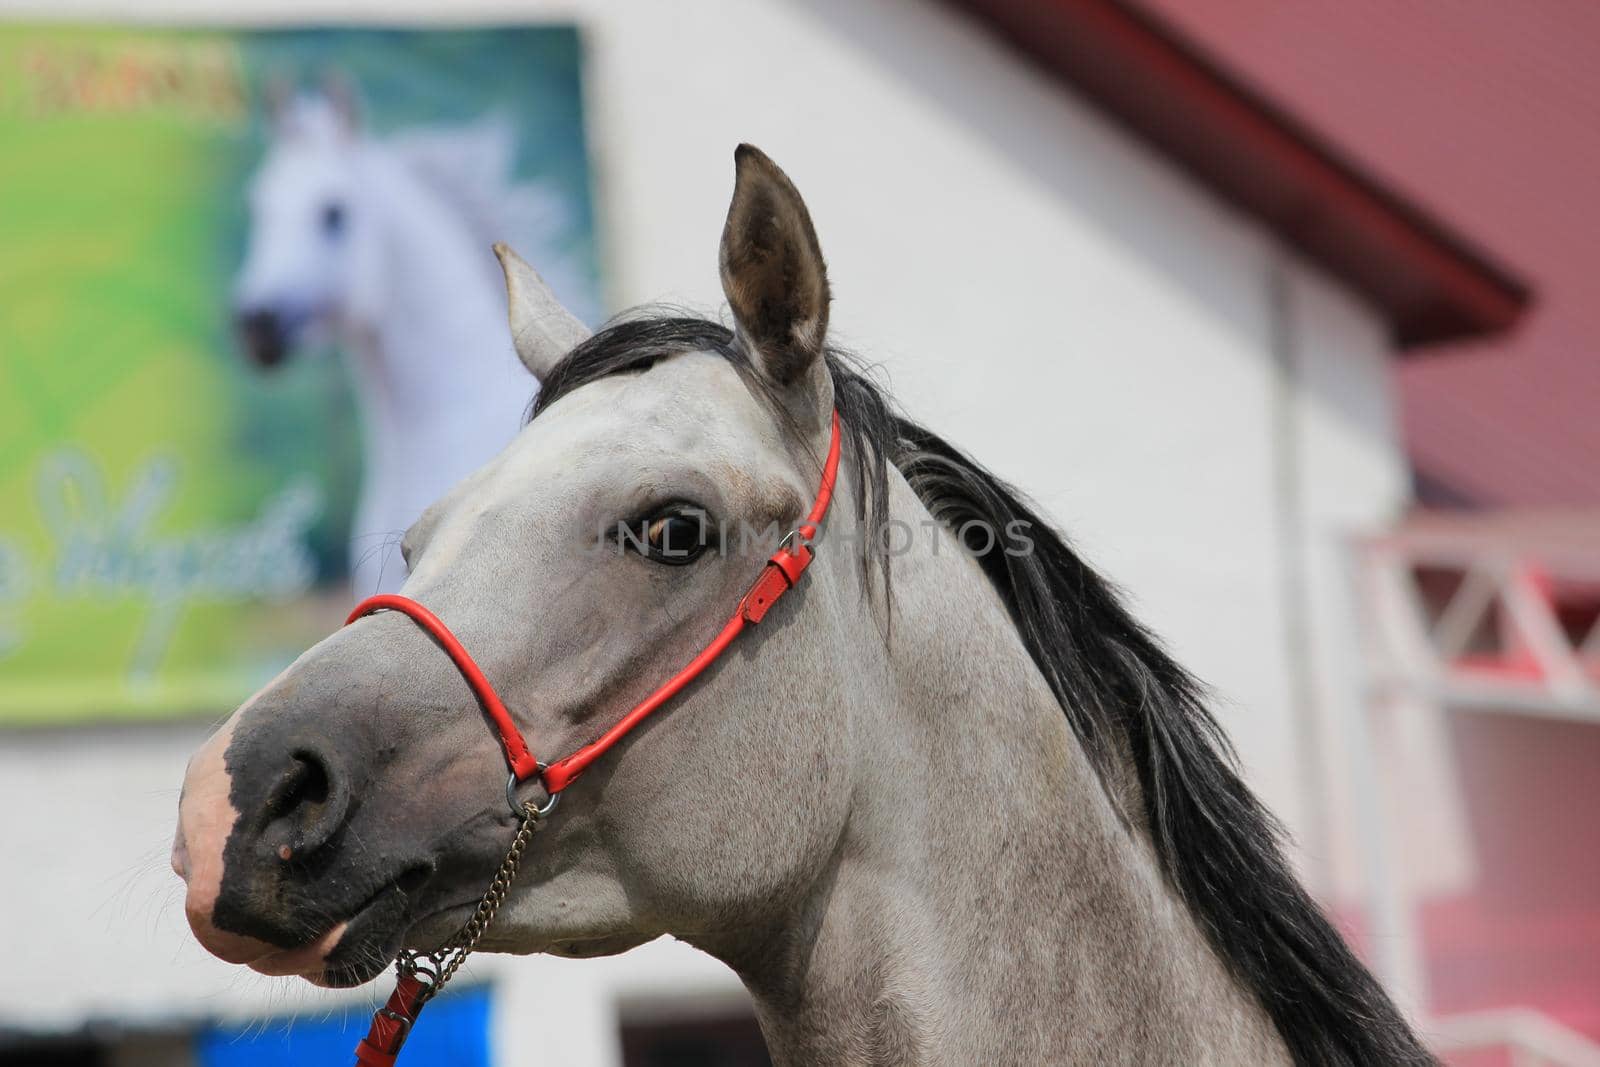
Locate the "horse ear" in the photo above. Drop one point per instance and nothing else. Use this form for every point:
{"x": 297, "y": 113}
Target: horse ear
{"x": 278, "y": 98}
{"x": 345, "y": 99}
{"x": 542, "y": 330}
{"x": 772, "y": 270}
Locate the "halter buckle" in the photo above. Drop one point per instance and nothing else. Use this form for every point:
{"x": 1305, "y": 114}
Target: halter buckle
{"x": 402, "y": 1024}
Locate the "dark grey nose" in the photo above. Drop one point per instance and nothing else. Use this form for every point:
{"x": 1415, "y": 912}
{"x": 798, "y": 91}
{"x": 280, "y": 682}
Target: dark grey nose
{"x": 263, "y": 335}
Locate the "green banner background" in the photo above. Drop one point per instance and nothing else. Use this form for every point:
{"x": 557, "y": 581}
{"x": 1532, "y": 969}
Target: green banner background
{"x": 172, "y": 529}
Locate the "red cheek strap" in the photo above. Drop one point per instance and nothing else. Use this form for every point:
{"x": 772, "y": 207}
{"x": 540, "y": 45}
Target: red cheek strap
{"x": 780, "y": 574}
{"x": 518, "y": 757}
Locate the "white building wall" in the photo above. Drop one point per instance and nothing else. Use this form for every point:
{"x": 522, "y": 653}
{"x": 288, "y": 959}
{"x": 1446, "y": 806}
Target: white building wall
{"x": 1353, "y": 480}
{"x": 1037, "y": 285}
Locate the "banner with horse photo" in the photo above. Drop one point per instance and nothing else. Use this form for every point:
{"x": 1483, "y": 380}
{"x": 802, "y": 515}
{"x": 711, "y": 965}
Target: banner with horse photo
{"x": 250, "y": 325}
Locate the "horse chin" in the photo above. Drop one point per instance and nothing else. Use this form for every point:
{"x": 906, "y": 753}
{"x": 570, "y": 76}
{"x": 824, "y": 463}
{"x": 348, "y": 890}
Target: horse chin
{"x": 439, "y": 927}
{"x": 347, "y": 977}
{"x": 358, "y": 949}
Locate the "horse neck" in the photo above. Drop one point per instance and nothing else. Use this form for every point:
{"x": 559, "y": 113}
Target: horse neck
{"x": 986, "y": 902}
{"x": 434, "y": 322}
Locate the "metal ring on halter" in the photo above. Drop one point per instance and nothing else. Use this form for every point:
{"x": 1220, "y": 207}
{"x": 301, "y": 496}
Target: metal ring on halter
{"x": 790, "y": 539}
{"x": 521, "y": 810}
{"x": 426, "y": 967}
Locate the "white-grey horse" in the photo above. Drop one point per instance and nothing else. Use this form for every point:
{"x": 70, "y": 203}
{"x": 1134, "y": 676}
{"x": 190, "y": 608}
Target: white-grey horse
{"x": 972, "y": 815}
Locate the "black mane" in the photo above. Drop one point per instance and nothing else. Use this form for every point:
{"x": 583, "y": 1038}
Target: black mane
{"x": 1120, "y": 692}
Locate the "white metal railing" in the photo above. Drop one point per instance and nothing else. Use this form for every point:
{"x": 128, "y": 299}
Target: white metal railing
{"x": 1458, "y": 613}
{"x": 1503, "y": 590}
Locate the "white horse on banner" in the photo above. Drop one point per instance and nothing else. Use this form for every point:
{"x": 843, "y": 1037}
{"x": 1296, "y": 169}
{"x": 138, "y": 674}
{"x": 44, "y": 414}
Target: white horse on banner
{"x": 383, "y": 246}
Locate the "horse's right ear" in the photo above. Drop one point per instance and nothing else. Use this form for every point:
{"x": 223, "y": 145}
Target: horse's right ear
{"x": 542, "y": 330}
{"x": 772, "y": 271}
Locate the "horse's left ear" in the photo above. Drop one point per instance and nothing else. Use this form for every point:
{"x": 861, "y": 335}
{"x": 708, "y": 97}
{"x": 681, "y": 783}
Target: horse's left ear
{"x": 278, "y": 100}
{"x": 542, "y": 330}
{"x": 772, "y": 272}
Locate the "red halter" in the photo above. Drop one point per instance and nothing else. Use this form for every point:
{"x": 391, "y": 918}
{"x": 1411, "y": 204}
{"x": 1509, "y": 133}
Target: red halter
{"x": 779, "y": 575}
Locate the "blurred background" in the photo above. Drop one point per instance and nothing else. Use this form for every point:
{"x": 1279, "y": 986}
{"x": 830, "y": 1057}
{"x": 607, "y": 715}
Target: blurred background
{"x": 1283, "y": 311}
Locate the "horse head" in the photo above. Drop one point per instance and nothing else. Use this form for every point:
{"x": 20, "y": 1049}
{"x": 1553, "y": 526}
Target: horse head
{"x": 308, "y": 235}
{"x": 355, "y": 805}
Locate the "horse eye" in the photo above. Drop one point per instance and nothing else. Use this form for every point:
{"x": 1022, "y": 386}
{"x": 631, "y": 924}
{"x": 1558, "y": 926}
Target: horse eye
{"x": 678, "y": 536}
{"x": 333, "y": 219}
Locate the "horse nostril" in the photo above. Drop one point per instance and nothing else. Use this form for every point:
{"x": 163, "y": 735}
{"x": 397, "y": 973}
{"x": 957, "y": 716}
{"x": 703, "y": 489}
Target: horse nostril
{"x": 305, "y": 807}
{"x": 305, "y": 783}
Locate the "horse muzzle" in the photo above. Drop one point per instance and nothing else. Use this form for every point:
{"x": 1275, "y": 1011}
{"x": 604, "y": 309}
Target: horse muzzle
{"x": 243, "y": 869}
{"x": 264, "y": 335}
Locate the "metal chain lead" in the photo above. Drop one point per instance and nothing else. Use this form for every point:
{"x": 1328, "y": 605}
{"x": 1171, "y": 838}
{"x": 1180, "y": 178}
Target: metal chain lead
{"x": 444, "y": 961}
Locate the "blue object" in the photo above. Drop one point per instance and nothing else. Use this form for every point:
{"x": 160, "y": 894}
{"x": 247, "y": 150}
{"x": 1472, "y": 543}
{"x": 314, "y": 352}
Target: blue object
{"x": 454, "y": 1030}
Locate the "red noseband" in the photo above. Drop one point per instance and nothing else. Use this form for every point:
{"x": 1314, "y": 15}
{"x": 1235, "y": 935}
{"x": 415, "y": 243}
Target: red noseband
{"x": 780, "y": 574}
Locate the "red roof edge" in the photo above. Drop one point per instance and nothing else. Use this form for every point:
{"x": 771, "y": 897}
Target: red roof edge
{"x": 1429, "y": 282}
